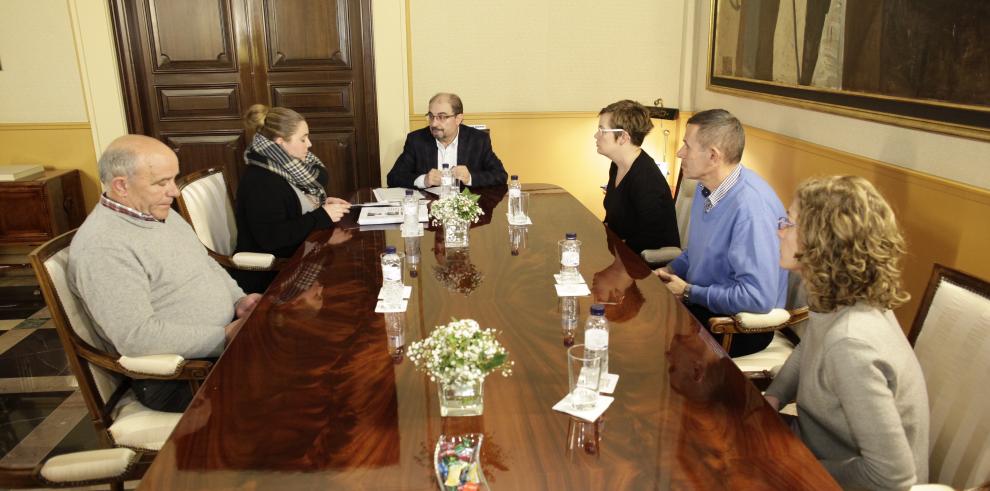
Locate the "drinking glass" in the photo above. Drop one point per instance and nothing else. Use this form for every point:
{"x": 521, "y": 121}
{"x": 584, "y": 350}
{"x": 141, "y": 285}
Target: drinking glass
{"x": 583, "y": 375}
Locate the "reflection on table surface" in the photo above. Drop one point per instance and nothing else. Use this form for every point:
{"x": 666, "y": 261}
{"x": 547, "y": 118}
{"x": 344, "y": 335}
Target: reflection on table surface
{"x": 316, "y": 391}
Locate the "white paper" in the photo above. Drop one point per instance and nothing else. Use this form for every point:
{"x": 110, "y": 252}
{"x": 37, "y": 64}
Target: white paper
{"x": 589, "y": 415}
{"x": 394, "y": 194}
{"x": 406, "y": 292}
{"x": 527, "y": 220}
{"x": 380, "y": 307}
{"x": 434, "y": 190}
{"x": 378, "y": 215}
{"x": 607, "y": 383}
{"x": 560, "y": 280}
{"x": 572, "y": 290}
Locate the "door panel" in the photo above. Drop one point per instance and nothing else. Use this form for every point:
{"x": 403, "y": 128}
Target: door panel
{"x": 305, "y": 33}
{"x": 191, "y": 68}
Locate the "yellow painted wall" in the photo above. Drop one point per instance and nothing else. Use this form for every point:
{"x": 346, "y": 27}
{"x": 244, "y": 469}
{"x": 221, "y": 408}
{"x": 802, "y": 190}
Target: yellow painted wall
{"x": 54, "y": 145}
{"x": 546, "y": 56}
{"x": 40, "y": 77}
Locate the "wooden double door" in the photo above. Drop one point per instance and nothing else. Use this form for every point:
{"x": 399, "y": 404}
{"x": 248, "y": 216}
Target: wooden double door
{"x": 191, "y": 68}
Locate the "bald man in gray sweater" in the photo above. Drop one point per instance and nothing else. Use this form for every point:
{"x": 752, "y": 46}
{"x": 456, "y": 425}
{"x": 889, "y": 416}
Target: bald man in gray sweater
{"x": 143, "y": 275}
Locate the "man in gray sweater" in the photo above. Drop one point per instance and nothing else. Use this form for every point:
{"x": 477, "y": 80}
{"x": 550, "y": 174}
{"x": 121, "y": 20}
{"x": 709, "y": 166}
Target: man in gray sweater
{"x": 143, "y": 275}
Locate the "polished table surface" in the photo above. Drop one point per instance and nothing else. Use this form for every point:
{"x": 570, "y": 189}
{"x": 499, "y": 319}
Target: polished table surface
{"x": 315, "y": 392}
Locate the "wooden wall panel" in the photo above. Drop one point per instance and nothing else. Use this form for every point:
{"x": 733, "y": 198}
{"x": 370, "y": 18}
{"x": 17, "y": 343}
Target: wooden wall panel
{"x": 307, "y": 33}
{"x": 331, "y": 99}
{"x": 191, "y": 34}
{"x": 943, "y": 221}
{"x": 336, "y": 149}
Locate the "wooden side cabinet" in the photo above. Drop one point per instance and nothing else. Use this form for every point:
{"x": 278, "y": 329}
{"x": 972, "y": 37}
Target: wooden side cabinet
{"x": 36, "y": 210}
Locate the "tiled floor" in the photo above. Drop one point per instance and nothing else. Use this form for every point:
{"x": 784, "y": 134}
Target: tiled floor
{"x": 42, "y": 413}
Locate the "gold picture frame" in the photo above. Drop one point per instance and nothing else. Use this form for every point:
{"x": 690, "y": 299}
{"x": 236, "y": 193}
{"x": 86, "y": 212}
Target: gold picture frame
{"x": 890, "y": 61}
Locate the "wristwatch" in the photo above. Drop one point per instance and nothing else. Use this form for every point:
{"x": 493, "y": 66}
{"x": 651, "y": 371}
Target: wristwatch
{"x": 686, "y": 295}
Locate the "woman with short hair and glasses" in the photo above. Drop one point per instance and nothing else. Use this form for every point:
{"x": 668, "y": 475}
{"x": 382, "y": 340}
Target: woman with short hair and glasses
{"x": 638, "y": 204}
{"x": 861, "y": 396}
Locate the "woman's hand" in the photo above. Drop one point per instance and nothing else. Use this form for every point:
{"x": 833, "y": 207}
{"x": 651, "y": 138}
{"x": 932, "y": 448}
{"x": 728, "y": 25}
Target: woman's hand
{"x": 336, "y": 208}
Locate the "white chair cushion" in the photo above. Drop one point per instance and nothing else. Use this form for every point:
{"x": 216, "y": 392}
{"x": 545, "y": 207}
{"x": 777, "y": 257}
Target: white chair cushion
{"x": 775, "y": 317}
{"x": 88, "y": 466}
{"x": 255, "y": 260}
{"x": 80, "y": 321}
{"x": 954, "y": 352}
{"x": 136, "y": 426}
{"x": 211, "y": 214}
{"x": 771, "y": 358}
{"x": 152, "y": 364}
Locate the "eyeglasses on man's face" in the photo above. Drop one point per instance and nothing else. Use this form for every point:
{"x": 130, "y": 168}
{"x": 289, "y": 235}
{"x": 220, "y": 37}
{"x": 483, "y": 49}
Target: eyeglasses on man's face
{"x": 784, "y": 222}
{"x": 442, "y": 117}
{"x": 602, "y": 131}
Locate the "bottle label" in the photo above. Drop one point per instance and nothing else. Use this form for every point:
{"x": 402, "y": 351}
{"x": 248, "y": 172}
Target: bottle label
{"x": 570, "y": 258}
{"x": 391, "y": 273}
{"x": 596, "y": 339}
{"x": 515, "y": 192}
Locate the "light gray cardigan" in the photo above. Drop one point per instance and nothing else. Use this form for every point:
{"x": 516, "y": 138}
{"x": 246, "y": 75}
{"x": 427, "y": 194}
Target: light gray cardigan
{"x": 861, "y": 397}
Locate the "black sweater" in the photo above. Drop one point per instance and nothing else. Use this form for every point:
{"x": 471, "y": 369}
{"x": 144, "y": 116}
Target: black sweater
{"x": 269, "y": 216}
{"x": 641, "y": 210}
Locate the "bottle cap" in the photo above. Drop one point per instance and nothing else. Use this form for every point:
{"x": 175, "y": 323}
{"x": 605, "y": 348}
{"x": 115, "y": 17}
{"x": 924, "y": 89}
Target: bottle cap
{"x": 570, "y": 236}
{"x": 515, "y": 177}
{"x": 389, "y": 249}
{"x": 409, "y": 192}
{"x": 597, "y": 309}
{"x": 446, "y": 166}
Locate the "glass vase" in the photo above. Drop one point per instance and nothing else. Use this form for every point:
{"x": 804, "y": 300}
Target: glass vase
{"x": 455, "y": 233}
{"x": 461, "y": 400}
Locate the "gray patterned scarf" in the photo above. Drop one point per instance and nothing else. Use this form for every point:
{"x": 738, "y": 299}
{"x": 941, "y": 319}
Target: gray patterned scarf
{"x": 300, "y": 173}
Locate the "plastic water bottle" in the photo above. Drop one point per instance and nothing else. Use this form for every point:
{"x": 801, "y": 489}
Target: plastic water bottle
{"x": 570, "y": 257}
{"x": 446, "y": 180}
{"x": 392, "y": 287}
{"x": 515, "y": 197}
{"x": 596, "y": 334}
{"x": 412, "y": 255}
{"x": 410, "y": 213}
{"x": 568, "y": 318}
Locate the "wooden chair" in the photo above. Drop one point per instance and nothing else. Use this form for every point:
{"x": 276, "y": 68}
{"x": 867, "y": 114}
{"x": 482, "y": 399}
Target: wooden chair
{"x": 112, "y": 466}
{"x": 683, "y": 197}
{"x": 104, "y": 377}
{"x": 204, "y": 201}
{"x": 785, "y": 323}
{"x": 951, "y": 338}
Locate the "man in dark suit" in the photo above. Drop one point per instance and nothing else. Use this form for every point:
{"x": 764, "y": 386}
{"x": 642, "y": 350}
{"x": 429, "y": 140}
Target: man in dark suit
{"x": 468, "y": 151}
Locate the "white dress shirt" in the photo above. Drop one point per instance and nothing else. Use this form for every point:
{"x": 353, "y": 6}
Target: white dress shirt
{"x": 445, "y": 155}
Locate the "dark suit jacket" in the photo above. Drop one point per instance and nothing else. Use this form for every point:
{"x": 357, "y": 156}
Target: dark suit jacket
{"x": 474, "y": 149}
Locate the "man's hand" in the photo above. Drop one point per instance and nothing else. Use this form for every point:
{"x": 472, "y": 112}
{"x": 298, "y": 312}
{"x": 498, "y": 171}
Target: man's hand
{"x": 462, "y": 174}
{"x": 230, "y": 330}
{"x": 674, "y": 283}
{"x": 432, "y": 178}
{"x": 246, "y": 305}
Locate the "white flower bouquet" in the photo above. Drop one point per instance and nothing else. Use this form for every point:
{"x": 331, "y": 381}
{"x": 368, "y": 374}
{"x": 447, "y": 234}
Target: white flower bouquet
{"x": 460, "y": 353}
{"x": 456, "y": 206}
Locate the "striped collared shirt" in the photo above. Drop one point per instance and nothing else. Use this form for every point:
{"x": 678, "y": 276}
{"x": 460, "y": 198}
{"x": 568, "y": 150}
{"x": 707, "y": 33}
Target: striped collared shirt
{"x": 127, "y": 210}
{"x": 713, "y": 197}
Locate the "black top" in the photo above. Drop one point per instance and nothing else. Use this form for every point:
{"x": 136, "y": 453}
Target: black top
{"x": 474, "y": 149}
{"x": 269, "y": 215}
{"x": 641, "y": 210}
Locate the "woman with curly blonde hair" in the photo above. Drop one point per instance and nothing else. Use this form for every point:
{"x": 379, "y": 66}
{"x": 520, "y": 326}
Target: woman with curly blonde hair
{"x": 861, "y": 396}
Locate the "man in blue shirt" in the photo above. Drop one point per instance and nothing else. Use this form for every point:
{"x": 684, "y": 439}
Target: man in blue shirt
{"x": 732, "y": 260}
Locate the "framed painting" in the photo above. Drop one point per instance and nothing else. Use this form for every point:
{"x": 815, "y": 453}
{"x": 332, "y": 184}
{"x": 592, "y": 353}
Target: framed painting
{"x": 916, "y": 63}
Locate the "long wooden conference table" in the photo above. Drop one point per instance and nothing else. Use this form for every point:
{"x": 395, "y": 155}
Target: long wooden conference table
{"x": 315, "y": 391}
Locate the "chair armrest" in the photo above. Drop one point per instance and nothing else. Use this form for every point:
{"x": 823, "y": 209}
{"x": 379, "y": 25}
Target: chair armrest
{"x": 660, "y": 257}
{"x": 93, "y": 466}
{"x": 748, "y": 323}
{"x": 253, "y": 261}
{"x": 162, "y": 365}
